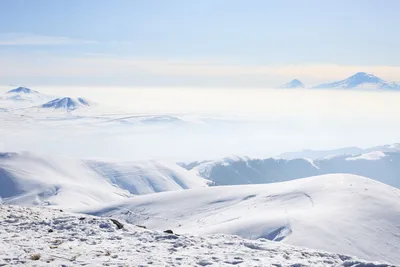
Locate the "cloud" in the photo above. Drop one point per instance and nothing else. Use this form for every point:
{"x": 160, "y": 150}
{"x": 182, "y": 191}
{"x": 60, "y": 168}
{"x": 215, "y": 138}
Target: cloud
{"x": 19, "y": 39}
{"x": 185, "y": 72}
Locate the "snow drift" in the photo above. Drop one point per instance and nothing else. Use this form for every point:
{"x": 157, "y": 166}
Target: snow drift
{"x": 339, "y": 213}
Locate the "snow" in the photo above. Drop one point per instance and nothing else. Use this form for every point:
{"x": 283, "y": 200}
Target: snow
{"x": 340, "y": 213}
{"x": 49, "y": 237}
{"x": 30, "y": 179}
{"x": 376, "y": 155}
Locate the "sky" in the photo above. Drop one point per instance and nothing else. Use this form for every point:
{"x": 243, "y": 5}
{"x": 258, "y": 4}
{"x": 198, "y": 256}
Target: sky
{"x": 214, "y": 43}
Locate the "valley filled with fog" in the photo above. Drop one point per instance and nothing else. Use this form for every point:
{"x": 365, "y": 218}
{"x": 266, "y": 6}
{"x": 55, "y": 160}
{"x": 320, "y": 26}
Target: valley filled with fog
{"x": 187, "y": 124}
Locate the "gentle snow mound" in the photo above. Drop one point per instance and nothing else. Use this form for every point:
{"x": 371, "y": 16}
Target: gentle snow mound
{"x": 339, "y": 212}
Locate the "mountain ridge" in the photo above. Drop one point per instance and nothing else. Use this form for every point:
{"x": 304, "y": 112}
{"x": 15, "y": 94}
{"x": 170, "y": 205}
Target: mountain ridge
{"x": 360, "y": 80}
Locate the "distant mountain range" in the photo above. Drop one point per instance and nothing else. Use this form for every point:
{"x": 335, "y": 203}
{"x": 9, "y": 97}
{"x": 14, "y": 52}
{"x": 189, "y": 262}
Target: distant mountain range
{"x": 360, "y": 80}
{"x": 28, "y": 98}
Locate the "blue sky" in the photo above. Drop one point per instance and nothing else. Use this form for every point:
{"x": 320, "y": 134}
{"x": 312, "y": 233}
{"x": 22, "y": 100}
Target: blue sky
{"x": 196, "y": 43}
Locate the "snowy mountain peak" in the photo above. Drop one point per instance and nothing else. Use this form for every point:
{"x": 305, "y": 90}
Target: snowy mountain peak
{"x": 361, "y": 80}
{"x": 23, "y": 90}
{"x": 66, "y": 103}
{"x": 362, "y": 77}
{"x": 294, "y": 84}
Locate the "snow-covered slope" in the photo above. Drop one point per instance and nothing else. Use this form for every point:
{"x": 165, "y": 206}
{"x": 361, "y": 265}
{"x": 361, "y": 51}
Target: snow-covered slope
{"x": 66, "y": 103}
{"x": 28, "y": 179}
{"x": 293, "y": 84}
{"x": 339, "y": 213}
{"x": 361, "y": 80}
{"x": 46, "y": 237}
{"x": 377, "y": 165}
{"x": 31, "y": 180}
{"x": 146, "y": 177}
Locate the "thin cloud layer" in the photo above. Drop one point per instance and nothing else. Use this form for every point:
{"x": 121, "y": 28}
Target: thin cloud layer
{"x": 126, "y": 70}
{"x": 19, "y": 39}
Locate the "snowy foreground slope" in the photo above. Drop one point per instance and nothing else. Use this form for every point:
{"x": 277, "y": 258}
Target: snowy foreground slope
{"x": 49, "y": 237}
{"x": 28, "y": 179}
{"x": 338, "y": 213}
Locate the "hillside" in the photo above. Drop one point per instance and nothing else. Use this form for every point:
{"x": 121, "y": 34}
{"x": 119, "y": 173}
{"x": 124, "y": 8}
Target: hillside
{"x": 338, "y": 213}
{"x": 29, "y": 179}
{"x": 377, "y": 165}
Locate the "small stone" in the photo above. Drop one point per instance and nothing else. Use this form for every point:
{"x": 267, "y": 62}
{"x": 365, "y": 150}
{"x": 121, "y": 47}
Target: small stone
{"x": 117, "y": 223}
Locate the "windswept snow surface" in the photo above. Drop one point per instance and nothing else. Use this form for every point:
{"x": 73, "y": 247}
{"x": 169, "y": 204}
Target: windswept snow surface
{"x": 67, "y": 239}
{"x": 340, "y": 213}
{"x": 28, "y": 179}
